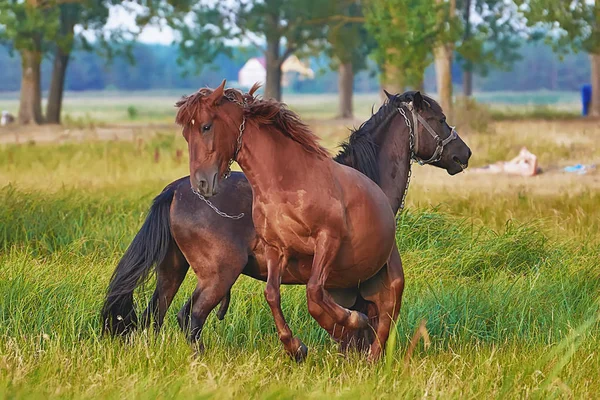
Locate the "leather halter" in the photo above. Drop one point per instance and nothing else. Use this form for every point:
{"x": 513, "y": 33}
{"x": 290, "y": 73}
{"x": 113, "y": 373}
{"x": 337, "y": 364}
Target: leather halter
{"x": 440, "y": 143}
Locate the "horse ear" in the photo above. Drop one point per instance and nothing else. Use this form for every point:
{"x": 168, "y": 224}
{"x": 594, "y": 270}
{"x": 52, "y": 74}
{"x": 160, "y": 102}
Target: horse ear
{"x": 418, "y": 101}
{"x": 388, "y": 95}
{"x": 217, "y": 95}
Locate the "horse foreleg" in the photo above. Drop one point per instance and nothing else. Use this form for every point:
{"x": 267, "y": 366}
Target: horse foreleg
{"x": 293, "y": 346}
{"x": 319, "y": 300}
{"x": 385, "y": 290}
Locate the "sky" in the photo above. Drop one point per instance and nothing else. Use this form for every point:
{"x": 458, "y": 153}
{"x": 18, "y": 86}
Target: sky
{"x": 120, "y": 16}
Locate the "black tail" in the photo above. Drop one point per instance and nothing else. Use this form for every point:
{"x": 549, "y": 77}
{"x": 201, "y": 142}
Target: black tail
{"x": 148, "y": 248}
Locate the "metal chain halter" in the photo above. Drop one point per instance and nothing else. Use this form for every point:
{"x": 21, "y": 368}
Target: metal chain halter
{"x": 411, "y": 138}
{"x": 227, "y": 173}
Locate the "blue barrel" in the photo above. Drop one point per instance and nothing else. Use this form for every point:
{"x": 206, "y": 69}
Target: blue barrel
{"x": 586, "y": 98}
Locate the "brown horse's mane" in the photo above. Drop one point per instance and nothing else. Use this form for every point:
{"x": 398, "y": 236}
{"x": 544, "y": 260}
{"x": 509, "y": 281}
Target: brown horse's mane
{"x": 261, "y": 111}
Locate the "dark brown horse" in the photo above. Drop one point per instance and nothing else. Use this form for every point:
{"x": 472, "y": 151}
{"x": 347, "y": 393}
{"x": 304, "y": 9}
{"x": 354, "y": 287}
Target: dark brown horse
{"x": 223, "y": 248}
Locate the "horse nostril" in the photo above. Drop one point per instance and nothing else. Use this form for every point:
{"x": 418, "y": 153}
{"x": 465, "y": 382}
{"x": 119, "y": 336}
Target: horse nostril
{"x": 201, "y": 182}
{"x": 470, "y": 153}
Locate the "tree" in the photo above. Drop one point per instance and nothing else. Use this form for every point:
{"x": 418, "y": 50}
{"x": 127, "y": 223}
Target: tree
{"x": 278, "y": 27}
{"x": 491, "y": 37}
{"x": 444, "y": 50}
{"x": 349, "y": 46}
{"x": 571, "y": 25}
{"x": 91, "y": 16}
{"x": 29, "y": 25}
{"x": 406, "y": 32}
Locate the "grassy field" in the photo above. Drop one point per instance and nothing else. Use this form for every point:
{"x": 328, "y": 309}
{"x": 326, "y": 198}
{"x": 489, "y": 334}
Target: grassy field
{"x": 504, "y": 270}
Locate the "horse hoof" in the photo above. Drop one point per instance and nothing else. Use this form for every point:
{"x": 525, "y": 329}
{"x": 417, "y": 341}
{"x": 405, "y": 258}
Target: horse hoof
{"x": 301, "y": 351}
{"x": 374, "y": 354}
{"x": 357, "y": 320}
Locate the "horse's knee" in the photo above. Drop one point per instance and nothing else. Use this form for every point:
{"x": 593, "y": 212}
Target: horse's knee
{"x": 272, "y": 294}
{"x": 314, "y": 292}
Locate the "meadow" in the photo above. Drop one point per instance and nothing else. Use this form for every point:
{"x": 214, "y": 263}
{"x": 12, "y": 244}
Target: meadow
{"x": 505, "y": 271}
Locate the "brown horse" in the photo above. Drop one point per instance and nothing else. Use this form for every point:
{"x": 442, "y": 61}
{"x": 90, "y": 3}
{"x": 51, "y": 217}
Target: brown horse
{"x": 221, "y": 248}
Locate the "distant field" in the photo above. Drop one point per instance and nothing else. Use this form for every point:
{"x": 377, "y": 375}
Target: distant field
{"x": 157, "y": 106}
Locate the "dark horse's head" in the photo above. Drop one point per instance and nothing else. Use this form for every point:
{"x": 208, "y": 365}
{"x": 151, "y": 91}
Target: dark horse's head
{"x": 208, "y": 119}
{"x": 434, "y": 142}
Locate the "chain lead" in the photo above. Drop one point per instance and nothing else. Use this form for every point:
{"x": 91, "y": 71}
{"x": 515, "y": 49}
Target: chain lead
{"x": 215, "y": 209}
{"x": 228, "y": 172}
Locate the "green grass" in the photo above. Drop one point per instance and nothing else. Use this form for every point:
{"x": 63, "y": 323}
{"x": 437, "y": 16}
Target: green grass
{"x": 508, "y": 283}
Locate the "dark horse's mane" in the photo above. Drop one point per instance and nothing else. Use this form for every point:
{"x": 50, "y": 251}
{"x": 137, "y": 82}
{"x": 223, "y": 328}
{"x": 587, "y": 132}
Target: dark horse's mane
{"x": 264, "y": 112}
{"x": 360, "y": 151}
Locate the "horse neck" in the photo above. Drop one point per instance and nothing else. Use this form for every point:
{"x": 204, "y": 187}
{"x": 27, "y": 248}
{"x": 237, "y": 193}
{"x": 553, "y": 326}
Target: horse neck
{"x": 271, "y": 160}
{"x": 394, "y": 159}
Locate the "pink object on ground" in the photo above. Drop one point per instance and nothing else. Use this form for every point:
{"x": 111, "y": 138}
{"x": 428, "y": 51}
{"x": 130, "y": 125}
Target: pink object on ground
{"x": 525, "y": 164}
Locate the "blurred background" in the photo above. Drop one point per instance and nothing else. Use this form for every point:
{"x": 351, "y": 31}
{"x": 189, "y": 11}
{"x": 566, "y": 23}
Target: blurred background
{"x": 60, "y": 57}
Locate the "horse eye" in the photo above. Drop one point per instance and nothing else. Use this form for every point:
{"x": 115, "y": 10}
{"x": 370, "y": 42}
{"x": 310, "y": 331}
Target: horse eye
{"x": 206, "y": 128}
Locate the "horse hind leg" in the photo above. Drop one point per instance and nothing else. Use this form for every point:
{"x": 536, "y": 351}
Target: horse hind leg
{"x": 214, "y": 285}
{"x": 385, "y": 291}
{"x": 170, "y": 274}
{"x": 205, "y": 298}
{"x": 319, "y": 300}
{"x": 358, "y": 339}
{"x": 185, "y": 314}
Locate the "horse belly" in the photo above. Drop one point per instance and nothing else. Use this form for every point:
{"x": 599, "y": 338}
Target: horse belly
{"x": 367, "y": 247}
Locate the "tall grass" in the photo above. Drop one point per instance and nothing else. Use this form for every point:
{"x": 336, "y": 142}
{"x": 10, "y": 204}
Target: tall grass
{"x": 507, "y": 281}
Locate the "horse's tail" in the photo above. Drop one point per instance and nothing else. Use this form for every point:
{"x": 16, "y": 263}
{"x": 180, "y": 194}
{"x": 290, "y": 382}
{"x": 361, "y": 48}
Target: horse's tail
{"x": 148, "y": 248}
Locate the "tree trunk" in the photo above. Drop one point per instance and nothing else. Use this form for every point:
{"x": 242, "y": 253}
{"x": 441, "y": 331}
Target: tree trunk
{"x": 30, "y": 105}
{"x": 391, "y": 80}
{"x": 421, "y": 84}
{"x": 273, "y": 86}
{"x": 346, "y": 89}
{"x": 595, "y": 81}
{"x": 55, "y": 96}
{"x": 467, "y": 81}
{"x": 468, "y": 66}
{"x": 443, "y": 65}
{"x": 68, "y": 18}
{"x": 443, "y": 73}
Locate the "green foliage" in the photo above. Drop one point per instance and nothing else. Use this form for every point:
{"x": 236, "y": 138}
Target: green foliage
{"x": 209, "y": 27}
{"x": 492, "y": 38}
{"x": 406, "y": 32}
{"x": 132, "y": 112}
{"x": 27, "y": 26}
{"x": 348, "y": 38}
{"x": 578, "y": 22}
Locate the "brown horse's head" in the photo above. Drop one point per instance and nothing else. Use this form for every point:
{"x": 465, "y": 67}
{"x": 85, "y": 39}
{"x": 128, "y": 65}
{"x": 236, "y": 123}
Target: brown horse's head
{"x": 210, "y": 121}
{"x": 435, "y": 142}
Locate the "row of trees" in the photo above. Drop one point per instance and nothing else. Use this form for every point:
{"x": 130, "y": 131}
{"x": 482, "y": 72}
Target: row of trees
{"x": 156, "y": 67}
{"x": 402, "y": 36}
